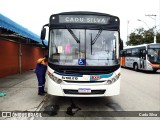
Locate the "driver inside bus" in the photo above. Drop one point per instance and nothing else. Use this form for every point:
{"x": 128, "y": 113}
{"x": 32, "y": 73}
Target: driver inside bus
{"x": 155, "y": 55}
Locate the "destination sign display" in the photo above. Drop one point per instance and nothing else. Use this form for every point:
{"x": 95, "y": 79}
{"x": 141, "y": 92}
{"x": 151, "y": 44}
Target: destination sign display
{"x": 91, "y": 19}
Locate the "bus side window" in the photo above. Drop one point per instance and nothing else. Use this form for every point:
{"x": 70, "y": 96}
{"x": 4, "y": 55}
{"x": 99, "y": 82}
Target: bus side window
{"x": 123, "y": 53}
{"x": 128, "y": 52}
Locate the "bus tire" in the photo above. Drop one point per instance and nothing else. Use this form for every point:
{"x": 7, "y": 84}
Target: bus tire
{"x": 154, "y": 70}
{"x": 135, "y": 66}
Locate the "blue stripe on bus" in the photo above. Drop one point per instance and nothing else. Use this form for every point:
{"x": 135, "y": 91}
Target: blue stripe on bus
{"x": 77, "y": 75}
{"x": 100, "y": 76}
{"x": 106, "y": 75}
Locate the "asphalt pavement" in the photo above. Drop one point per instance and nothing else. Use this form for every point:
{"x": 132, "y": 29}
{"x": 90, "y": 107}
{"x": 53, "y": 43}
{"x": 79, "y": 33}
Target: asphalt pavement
{"x": 21, "y": 93}
{"x": 140, "y": 91}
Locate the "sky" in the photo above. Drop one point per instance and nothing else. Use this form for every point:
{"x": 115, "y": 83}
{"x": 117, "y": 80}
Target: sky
{"x": 33, "y": 14}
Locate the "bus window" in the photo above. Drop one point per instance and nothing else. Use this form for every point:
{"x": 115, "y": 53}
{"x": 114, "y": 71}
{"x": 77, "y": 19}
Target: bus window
{"x": 135, "y": 52}
{"x": 129, "y": 52}
{"x": 65, "y": 48}
{"x": 123, "y": 53}
{"x": 154, "y": 55}
{"x": 101, "y": 51}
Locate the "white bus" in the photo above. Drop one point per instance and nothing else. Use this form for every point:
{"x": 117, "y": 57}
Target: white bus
{"x": 83, "y": 54}
{"x": 141, "y": 57}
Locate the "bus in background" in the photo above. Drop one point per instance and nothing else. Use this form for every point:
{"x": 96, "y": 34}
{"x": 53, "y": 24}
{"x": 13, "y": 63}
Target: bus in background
{"x": 83, "y": 54}
{"x": 141, "y": 57}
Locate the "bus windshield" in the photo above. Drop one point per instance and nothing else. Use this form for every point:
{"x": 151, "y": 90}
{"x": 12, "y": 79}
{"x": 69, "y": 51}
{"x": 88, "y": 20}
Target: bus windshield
{"x": 93, "y": 47}
{"x": 154, "y": 55}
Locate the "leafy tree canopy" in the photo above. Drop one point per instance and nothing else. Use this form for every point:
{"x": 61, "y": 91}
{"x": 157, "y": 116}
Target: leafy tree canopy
{"x": 141, "y": 36}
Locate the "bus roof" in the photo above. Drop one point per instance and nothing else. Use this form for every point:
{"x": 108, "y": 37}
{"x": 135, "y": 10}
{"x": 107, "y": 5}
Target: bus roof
{"x": 142, "y": 45}
{"x": 83, "y": 13}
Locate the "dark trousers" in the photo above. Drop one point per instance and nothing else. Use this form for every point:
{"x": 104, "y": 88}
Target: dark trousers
{"x": 41, "y": 82}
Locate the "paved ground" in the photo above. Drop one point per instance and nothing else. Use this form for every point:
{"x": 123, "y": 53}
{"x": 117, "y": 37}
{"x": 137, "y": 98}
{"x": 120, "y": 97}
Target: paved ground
{"x": 21, "y": 93}
{"x": 140, "y": 91}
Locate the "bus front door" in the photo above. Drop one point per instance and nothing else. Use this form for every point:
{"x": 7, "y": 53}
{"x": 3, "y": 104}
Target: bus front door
{"x": 142, "y": 58}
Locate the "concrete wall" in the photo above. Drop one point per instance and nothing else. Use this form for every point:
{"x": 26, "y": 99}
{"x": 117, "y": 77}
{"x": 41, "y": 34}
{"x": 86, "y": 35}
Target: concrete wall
{"x": 16, "y": 58}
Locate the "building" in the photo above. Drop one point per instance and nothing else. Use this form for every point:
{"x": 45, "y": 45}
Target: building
{"x": 19, "y": 48}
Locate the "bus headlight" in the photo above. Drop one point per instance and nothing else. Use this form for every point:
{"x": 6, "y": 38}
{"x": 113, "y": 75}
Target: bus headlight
{"x": 114, "y": 79}
{"x": 54, "y": 78}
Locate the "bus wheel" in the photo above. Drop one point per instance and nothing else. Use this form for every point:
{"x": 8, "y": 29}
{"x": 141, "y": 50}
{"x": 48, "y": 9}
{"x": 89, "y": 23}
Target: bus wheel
{"x": 154, "y": 70}
{"x": 135, "y": 66}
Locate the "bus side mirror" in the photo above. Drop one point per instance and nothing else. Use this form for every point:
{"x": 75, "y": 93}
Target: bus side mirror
{"x": 121, "y": 45}
{"x": 43, "y": 33}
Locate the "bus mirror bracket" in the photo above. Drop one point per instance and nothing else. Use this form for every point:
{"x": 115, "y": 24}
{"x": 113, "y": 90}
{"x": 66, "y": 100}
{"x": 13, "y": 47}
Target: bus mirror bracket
{"x": 43, "y": 31}
{"x": 43, "y": 34}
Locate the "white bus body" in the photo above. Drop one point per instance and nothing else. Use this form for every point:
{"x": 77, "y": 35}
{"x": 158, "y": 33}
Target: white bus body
{"x": 82, "y": 86}
{"x": 83, "y": 54}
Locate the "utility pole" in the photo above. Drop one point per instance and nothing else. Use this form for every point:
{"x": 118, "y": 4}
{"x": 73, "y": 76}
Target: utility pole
{"x": 127, "y": 30}
{"x": 155, "y": 32}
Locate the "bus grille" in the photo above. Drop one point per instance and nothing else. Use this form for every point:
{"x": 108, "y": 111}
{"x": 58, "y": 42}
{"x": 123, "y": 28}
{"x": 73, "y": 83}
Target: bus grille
{"x": 67, "y": 91}
{"x": 84, "y": 81}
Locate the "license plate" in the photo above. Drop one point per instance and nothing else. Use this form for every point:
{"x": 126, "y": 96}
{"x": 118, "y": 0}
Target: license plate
{"x": 84, "y": 90}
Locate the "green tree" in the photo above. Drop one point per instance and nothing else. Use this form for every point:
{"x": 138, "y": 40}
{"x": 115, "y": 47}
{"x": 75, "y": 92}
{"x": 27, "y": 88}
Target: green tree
{"x": 141, "y": 36}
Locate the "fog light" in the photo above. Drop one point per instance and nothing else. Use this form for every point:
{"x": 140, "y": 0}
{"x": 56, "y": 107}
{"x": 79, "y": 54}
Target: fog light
{"x": 59, "y": 81}
{"x": 113, "y": 79}
{"x": 109, "y": 82}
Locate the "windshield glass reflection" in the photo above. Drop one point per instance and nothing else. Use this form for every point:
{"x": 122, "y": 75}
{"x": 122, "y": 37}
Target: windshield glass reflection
{"x": 83, "y": 47}
{"x": 154, "y": 55}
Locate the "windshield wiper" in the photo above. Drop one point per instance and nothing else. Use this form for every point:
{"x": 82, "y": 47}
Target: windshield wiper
{"x": 95, "y": 39}
{"x": 91, "y": 43}
{"x": 73, "y": 35}
{"x": 97, "y": 36}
